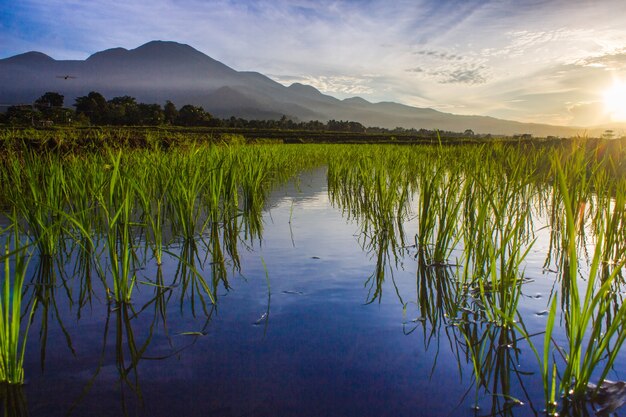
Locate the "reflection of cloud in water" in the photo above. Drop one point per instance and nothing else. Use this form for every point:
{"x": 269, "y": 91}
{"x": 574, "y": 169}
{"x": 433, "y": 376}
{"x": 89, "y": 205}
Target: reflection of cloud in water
{"x": 308, "y": 188}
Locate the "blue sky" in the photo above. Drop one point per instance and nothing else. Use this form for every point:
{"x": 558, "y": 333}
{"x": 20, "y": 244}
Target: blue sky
{"x": 527, "y": 60}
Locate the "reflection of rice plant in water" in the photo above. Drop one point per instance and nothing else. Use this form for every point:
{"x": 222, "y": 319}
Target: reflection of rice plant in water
{"x": 13, "y": 401}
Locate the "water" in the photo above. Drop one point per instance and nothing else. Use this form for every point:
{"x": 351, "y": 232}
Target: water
{"x": 307, "y": 343}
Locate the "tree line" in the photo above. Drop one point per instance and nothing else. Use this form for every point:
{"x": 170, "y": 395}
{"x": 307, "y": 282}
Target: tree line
{"x": 94, "y": 109}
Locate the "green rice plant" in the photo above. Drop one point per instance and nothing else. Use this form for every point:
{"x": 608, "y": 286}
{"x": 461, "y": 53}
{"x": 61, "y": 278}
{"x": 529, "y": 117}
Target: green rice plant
{"x": 427, "y": 200}
{"x": 593, "y": 322}
{"x": 84, "y": 179}
{"x": 116, "y": 203}
{"x": 495, "y": 244}
{"x": 183, "y": 196}
{"x": 38, "y": 193}
{"x": 378, "y": 199}
{"x": 611, "y": 217}
{"x": 12, "y": 336}
{"x": 151, "y": 183}
{"x": 589, "y": 340}
{"x": 448, "y": 208}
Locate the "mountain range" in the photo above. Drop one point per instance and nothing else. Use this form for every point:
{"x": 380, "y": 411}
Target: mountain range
{"x": 161, "y": 70}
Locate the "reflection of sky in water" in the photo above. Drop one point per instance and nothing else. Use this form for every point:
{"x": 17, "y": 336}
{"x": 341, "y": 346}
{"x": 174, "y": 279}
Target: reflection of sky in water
{"x": 322, "y": 352}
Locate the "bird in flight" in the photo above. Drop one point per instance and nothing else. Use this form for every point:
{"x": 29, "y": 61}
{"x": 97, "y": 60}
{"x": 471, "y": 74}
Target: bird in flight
{"x": 66, "y": 77}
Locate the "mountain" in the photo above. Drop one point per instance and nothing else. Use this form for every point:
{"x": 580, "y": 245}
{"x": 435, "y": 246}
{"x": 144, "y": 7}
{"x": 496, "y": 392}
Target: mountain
{"x": 160, "y": 71}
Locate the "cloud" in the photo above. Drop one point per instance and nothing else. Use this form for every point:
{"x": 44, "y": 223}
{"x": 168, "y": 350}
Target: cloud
{"x": 463, "y": 76}
{"x": 438, "y": 54}
{"x": 342, "y": 86}
{"x": 520, "y": 43}
{"x": 611, "y": 61}
{"x": 588, "y": 113}
{"x": 454, "y": 74}
{"x": 478, "y": 56}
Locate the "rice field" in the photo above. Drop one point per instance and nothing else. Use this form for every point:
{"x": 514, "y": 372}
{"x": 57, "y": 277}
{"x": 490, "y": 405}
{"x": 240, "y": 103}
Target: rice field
{"x": 133, "y": 272}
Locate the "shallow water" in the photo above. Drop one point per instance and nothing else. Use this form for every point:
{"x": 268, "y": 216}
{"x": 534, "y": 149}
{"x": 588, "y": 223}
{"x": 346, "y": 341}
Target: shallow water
{"x": 294, "y": 335}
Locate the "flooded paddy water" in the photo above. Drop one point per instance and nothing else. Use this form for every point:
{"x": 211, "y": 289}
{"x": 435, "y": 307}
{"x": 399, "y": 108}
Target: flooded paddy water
{"x": 319, "y": 281}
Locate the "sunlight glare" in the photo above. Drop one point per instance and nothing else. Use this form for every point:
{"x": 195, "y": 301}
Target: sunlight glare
{"x": 615, "y": 101}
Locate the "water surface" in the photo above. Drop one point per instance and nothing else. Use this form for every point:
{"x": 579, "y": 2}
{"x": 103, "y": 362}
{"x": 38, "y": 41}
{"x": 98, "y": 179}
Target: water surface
{"x": 304, "y": 329}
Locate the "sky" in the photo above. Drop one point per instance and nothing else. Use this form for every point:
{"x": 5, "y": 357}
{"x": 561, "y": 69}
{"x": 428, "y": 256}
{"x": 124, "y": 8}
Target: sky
{"x": 559, "y": 62}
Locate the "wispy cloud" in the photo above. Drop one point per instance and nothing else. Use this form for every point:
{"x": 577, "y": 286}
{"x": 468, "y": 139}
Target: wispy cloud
{"x": 439, "y": 54}
{"x": 612, "y": 61}
{"x": 340, "y": 86}
{"x": 463, "y": 76}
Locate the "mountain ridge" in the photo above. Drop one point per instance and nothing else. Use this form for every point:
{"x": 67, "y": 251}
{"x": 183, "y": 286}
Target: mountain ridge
{"x": 167, "y": 70}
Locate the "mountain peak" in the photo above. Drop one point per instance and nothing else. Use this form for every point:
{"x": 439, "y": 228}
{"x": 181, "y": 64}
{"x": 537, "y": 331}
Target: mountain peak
{"x": 108, "y": 54}
{"x": 168, "y": 50}
{"x": 356, "y": 100}
{"x": 164, "y": 45}
{"x": 154, "y": 50}
{"x": 29, "y": 58}
{"x": 304, "y": 89}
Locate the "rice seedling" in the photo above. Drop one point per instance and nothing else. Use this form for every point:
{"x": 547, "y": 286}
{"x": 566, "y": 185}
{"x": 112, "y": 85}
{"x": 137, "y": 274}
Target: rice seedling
{"x": 81, "y": 217}
{"x": 589, "y": 340}
{"x": 151, "y": 185}
{"x": 188, "y": 185}
{"x": 38, "y": 193}
{"x": 13, "y": 335}
{"x": 593, "y": 319}
{"x": 116, "y": 203}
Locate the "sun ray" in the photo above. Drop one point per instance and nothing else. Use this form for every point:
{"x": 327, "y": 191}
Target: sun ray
{"x": 615, "y": 101}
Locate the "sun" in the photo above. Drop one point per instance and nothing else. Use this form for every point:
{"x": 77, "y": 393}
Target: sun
{"x": 615, "y": 101}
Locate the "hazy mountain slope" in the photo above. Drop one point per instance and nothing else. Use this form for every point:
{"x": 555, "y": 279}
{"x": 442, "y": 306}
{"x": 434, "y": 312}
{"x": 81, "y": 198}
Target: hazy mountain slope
{"x": 159, "y": 71}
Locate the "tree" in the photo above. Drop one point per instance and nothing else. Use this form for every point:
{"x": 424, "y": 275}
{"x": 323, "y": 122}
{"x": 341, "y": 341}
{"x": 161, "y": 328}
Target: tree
{"x": 170, "y": 113}
{"x": 608, "y": 134}
{"x": 22, "y": 115}
{"x": 190, "y": 115}
{"x": 93, "y": 105}
{"x": 49, "y": 100}
{"x": 122, "y": 110}
{"x": 50, "y": 104}
{"x": 150, "y": 114}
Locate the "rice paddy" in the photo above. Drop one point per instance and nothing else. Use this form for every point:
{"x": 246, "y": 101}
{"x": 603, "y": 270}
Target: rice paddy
{"x": 495, "y": 272}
